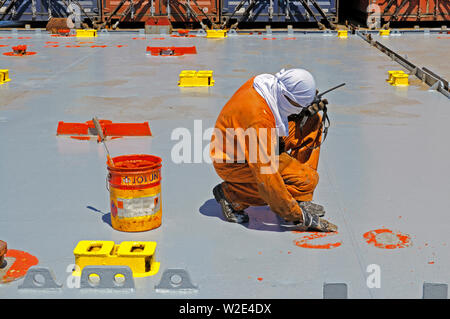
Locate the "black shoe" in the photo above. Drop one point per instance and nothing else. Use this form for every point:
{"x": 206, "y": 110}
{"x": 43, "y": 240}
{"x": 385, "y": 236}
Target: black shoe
{"x": 312, "y": 208}
{"x": 230, "y": 214}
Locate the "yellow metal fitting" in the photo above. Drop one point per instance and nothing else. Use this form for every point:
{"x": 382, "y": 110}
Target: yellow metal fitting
{"x": 190, "y": 78}
{"x": 216, "y": 33}
{"x": 342, "y": 33}
{"x": 4, "y": 76}
{"x": 391, "y": 75}
{"x": 385, "y": 33}
{"x": 86, "y": 33}
{"x": 400, "y": 79}
{"x": 138, "y": 255}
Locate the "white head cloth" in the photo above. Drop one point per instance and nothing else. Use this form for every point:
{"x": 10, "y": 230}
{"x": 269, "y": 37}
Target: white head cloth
{"x": 297, "y": 84}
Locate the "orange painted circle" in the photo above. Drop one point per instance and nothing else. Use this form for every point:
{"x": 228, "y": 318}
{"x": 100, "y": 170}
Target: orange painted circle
{"x": 20, "y": 266}
{"x": 372, "y": 238}
{"x": 304, "y": 241}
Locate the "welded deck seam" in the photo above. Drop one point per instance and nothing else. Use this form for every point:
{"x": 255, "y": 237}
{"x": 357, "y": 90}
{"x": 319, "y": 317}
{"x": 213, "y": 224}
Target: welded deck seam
{"x": 340, "y": 203}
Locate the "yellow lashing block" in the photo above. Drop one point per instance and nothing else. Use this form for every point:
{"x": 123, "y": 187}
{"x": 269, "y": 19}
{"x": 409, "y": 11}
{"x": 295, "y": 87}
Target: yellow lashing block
{"x": 190, "y": 78}
{"x": 400, "y": 79}
{"x": 86, "y": 33}
{"x": 342, "y": 33}
{"x": 4, "y": 76}
{"x": 138, "y": 255}
{"x": 385, "y": 33}
{"x": 391, "y": 75}
{"x": 216, "y": 33}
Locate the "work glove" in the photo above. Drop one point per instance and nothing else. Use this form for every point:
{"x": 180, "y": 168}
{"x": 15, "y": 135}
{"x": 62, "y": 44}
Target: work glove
{"x": 317, "y": 106}
{"x": 315, "y": 223}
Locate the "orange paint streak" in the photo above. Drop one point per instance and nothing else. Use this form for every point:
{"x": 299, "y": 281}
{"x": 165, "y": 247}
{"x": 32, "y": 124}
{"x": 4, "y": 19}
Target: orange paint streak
{"x": 269, "y": 38}
{"x": 20, "y": 266}
{"x": 260, "y": 278}
{"x": 3, "y": 45}
{"x": 431, "y": 262}
{"x": 371, "y": 238}
{"x": 304, "y": 241}
{"x": 290, "y": 38}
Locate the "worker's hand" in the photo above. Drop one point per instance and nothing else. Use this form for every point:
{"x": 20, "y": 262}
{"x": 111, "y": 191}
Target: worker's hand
{"x": 317, "y": 106}
{"x": 314, "y": 222}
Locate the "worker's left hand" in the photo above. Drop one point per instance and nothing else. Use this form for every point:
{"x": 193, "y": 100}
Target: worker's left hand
{"x": 317, "y": 106}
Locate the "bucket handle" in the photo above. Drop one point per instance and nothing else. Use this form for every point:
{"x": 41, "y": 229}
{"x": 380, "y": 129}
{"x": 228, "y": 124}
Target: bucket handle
{"x": 108, "y": 178}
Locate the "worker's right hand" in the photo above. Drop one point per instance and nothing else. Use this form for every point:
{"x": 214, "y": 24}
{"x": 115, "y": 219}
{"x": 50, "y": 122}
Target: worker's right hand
{"x": 314, "y": 222}
{"x": 317, "y": 106}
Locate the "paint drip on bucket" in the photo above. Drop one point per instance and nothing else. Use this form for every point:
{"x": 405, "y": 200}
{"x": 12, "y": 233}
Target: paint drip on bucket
{"x": 135, "y": 192}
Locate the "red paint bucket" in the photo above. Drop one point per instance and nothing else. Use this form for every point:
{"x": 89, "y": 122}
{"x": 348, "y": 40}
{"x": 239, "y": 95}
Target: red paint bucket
{"x": 135, "y": 192}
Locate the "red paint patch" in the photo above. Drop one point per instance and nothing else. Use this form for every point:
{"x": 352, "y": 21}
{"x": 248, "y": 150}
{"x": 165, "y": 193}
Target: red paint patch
{"x": 24, "y": 38}
{"x": 158, "y": 38}
{"x": 73, "y": 46}
{"x": 290, "y": 38}
{"x": 372, "y": 238}
{"x": 51, "y": 42}
{"x": 139, "y": 38}
{"x": 121, "y": 45}
{"x": 260, "y": 278}
{"x": 431, "y": 262}
{"x": 20, "y": 266}
{"x": 304, "y": 241}
{"x": 51, "y": 46}
{"x": 4, "y": 45}
{"x": 5, "y": 37}
{"x": 98, "y": 46}
{"x": 269, "y": 38}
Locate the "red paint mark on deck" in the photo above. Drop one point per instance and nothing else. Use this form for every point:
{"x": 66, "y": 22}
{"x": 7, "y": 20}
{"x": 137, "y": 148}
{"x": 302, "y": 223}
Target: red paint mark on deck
{"x": 269, "y": 38}
{"x": 139, "y": 38}
{"x": 431, "y": 262}
{"x": 260, "y": 278}
{"x": 304, "y": 241}
{"x": 3, "y": 45}
{"x": 23, "y": 261}
{"x": 51, "y": 46}
{"x": 5, "y": 37}
{"x": 158, "y": 38}
{"x": 26, "y": 38}
{"x": 121, "y": 45}
{"x": 51, "y": 42}
{"x": 373, "y": 238}
{"x": 290, "y": 38}
{"x": 73, "y": 46}
{"x": 98, "y": 46}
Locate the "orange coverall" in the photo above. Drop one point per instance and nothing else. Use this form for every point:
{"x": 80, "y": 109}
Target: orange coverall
{"x": 296, "y": 177}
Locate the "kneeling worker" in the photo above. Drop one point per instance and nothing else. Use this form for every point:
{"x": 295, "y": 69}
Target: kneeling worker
{"x": 284, "y": 179}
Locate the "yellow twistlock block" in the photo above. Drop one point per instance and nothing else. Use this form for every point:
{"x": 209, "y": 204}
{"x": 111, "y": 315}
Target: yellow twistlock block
{"x": 391, "y": 75}
{"x": 138, "y": 255}
{"x": 400, "y": 79}
{"x": 4, "y": 76}
{"x": 216, "y": 33}
{"x": 86, "y": 33}
{"x": 385, "y": 33}
{"x": 342, "y": 33}
{"x": 190, "y": 78}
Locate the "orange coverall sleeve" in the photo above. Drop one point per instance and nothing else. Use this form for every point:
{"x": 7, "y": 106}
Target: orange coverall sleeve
{"x": 266, "y": 170}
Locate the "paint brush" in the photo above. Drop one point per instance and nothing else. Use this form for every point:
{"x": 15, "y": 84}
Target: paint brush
{"x": 102, "y": 139}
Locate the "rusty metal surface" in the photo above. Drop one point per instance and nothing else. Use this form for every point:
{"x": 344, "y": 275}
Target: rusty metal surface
{"x": 384, "y": 166}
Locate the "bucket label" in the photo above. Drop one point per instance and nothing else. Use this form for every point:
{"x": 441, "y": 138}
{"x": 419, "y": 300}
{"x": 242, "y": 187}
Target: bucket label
{"x": 139, "y": 206}
{"x": 144, "y": 179}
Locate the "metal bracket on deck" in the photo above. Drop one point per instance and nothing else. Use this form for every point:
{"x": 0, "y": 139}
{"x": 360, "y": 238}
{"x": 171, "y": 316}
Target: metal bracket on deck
{"x": 436, "y": 86}
{"x": 232, "y": 32}
{"x": 175, "y": 280}
{"x": 39, "y": 278}
{"x": 201, "y": 32}
{"x": 435, "y": 291}
{"x": 395, "y": 32}
{"x": 108, "y": 277}
{"x": 335, "y": 291}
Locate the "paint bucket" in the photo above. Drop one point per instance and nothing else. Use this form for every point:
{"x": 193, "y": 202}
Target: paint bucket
{"x": 135, "y": 192}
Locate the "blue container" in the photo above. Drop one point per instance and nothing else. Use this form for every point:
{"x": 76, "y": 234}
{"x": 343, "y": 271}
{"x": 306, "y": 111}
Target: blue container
{"x": 280, "y": 11}
{"x": 43, "y": 10}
